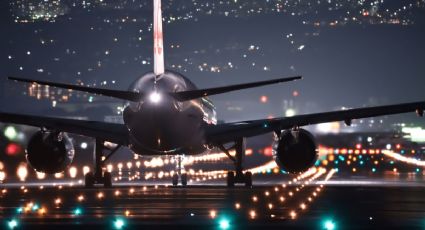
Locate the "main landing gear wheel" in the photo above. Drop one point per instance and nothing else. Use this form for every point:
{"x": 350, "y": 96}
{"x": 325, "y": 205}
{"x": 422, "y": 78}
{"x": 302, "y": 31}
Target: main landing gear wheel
{"x": 107, "y": 180}
{"x": 230, "y": 179}
{"x": 179, "y": 175}
{"x": 233, "y": 178}
{"x": 182, "y": 177}
{"x": 89, "y": 180}
{"x": 248, "y": 179}
{"x": 100, "y": 176}
{"x": 175, "y": 180}
{"x": 237, "y": 176}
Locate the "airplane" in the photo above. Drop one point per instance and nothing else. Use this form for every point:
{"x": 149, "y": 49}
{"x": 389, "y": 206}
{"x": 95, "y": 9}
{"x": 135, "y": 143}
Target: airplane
{"x": 168, "y": 115}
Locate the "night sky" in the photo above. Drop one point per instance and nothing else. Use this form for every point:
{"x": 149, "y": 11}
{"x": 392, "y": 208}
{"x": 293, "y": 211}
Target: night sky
{"x": 350, "y": 53}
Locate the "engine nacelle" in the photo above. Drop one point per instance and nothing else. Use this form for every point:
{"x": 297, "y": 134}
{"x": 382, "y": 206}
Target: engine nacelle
{"x": 50, "y": 152}
{"x": 295, "y": 151}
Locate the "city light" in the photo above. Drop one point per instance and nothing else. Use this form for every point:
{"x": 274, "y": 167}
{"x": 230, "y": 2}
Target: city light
{"x": 264, "y": 99}
{"x": 290, "y": 113}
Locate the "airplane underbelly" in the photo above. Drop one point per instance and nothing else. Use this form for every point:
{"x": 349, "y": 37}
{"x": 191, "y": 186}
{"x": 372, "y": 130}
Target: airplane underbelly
{"x": 167, "y": 133}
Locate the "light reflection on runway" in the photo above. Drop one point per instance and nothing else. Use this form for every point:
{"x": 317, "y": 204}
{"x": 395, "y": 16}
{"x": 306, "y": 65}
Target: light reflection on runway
{"x": 34, "y": 203}
{"x": 293, "y": 201}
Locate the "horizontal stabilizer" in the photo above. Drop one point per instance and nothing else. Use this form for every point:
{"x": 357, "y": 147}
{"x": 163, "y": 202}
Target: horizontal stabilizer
{"x": 125, "y": 95}
{"x": 194, "y": 94}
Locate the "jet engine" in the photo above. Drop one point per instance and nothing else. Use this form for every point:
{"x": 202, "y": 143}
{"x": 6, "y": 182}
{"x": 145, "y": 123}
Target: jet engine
{"x": 295, "y": 151}
{"x": 50, "y": 152}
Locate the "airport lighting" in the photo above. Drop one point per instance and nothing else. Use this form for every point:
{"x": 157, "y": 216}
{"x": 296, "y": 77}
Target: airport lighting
{"x": 224, "y": 223}
{"x": 119, "y": 223}
{"x": 77, "y": 211}
{"x": 329, "y": 225}
{"x": 12, "y": 224}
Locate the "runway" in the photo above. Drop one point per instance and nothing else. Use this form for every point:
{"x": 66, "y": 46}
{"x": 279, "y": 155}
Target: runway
{"x": 304, "y": 203}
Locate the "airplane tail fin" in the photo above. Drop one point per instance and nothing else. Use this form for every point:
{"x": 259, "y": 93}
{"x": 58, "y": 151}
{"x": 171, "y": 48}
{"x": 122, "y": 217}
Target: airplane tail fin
{"x": 158, "y": 46}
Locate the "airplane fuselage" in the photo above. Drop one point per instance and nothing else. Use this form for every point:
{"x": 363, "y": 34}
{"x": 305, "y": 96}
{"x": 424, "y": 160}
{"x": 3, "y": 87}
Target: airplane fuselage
{"x": 159, "y": 124}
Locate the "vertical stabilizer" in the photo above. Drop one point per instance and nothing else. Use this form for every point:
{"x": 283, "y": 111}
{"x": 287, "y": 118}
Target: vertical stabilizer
{"x": 158, "y": 46}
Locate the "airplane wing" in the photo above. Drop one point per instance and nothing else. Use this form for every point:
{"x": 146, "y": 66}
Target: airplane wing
{"x": 228, "y": 132}
{"x": 125, "y": 95}
{"x": 116, "y": 133}
{"x": 193, "y": 94}
{"x": 181, "y": 96}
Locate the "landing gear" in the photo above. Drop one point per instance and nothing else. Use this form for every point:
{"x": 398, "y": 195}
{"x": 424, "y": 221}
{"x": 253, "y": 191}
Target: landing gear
{"x": 183, "y": 178}
{"x": 238, "y": 176}
{"x": 100, "y": 176}
{"x": 175, "y": 179}
{"x": 107, "y": 179}
{"x": 89, "y": 180}
{"x": 179, "y": 174}
{"x": 230, "y": 179}
{"x": 242, "y": 178}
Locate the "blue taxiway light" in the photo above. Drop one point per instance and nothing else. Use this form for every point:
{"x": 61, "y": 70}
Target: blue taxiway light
{"x": 12, "y": 224}
{"x": 77, "y": 211}
{"x": 119, "y": 223}
{"x": 35, "y": 207}
{"x": 329, "y": 225}
{"x": 224, "y": 224}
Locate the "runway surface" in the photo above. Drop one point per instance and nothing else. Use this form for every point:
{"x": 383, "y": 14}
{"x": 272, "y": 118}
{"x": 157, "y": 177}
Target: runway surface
{"x": 312, "y": 205}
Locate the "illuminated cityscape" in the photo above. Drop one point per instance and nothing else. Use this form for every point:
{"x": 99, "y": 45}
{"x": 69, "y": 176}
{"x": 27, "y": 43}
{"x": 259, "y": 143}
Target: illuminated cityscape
{"x": 118, "y": 41}
{"x": 351, "y": 54}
